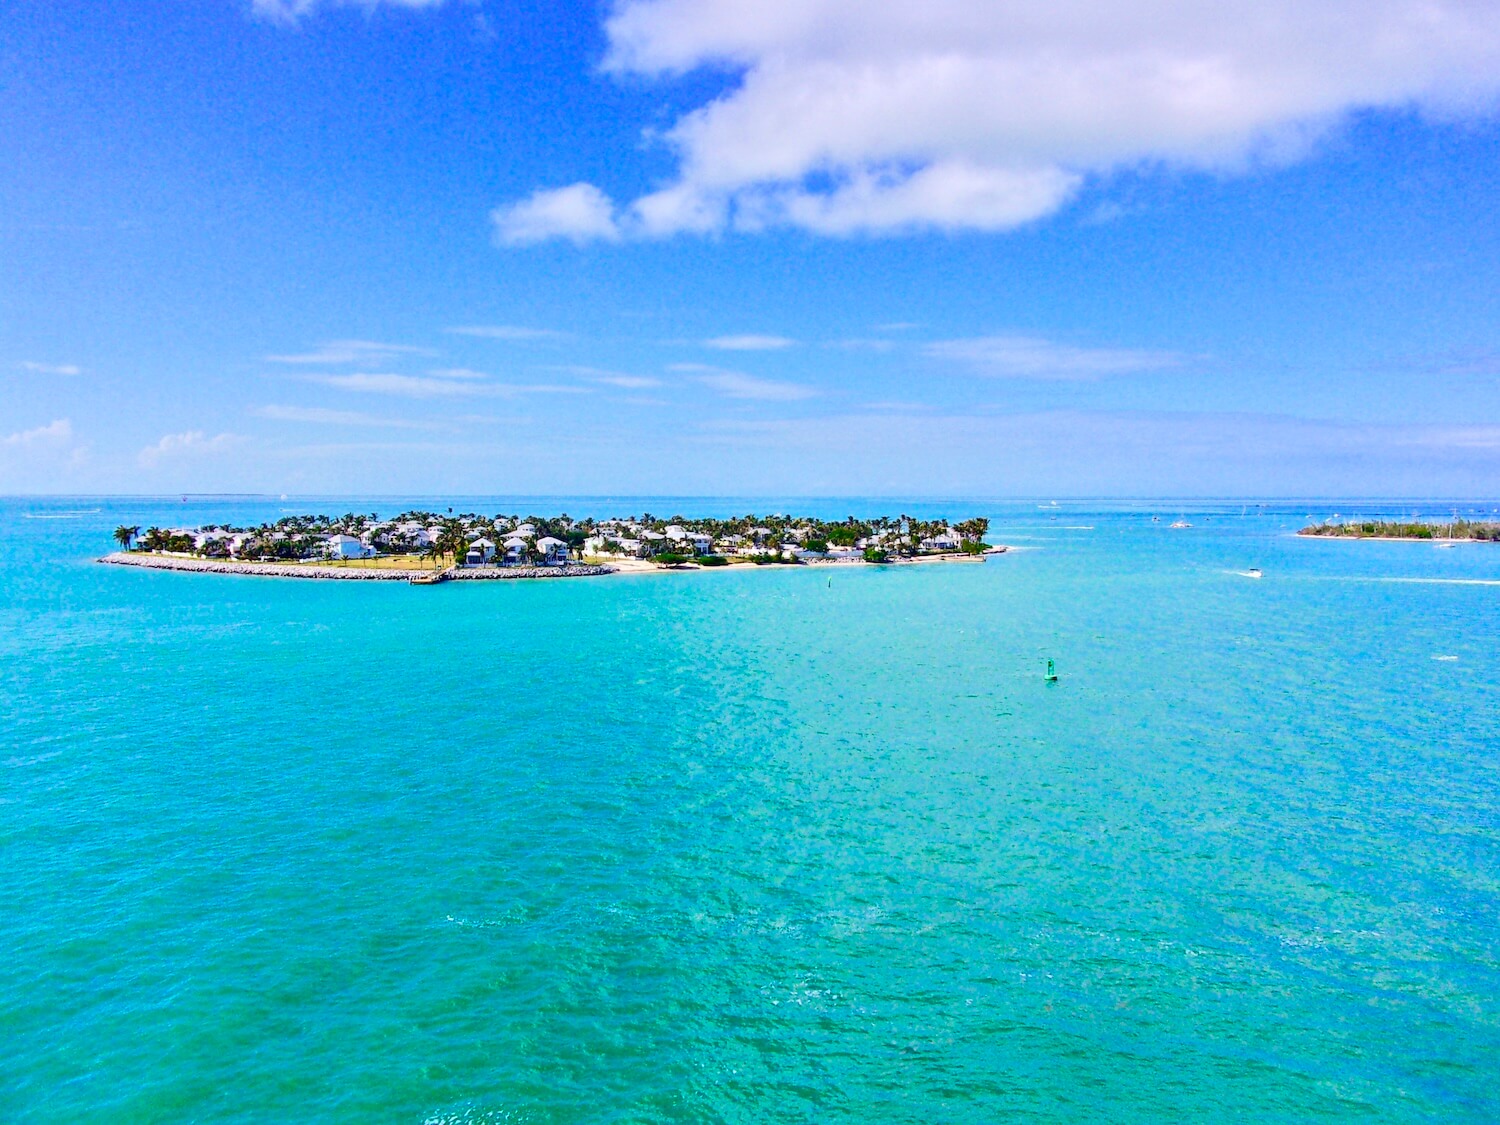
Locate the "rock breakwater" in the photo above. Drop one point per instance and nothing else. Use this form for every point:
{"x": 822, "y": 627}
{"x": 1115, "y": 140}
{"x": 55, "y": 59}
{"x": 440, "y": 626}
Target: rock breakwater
{"x": 342, "y": 573}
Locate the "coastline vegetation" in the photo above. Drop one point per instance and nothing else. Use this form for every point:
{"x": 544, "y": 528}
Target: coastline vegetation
{"x": 1485, "y": 531}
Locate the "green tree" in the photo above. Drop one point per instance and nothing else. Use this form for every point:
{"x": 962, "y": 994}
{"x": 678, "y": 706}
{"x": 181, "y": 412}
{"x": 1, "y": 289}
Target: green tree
{"x": 124, "y": 536}
{"x": 452, "y": 540}
{"x": 971, "y": 534}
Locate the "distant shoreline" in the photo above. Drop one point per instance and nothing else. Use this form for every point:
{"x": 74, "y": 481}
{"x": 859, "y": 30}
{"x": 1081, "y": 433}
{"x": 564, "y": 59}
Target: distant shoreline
{"x": 188, "y": 565}
{"x": 1443, "y": 533}
{"x": 1387, "y": 538}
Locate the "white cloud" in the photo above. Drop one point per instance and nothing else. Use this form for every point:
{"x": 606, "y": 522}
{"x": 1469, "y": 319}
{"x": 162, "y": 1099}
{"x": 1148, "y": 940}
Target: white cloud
{"x": 407, "y": 386}
{"x": 736, "y": 384}
{"x": 54, "y": 433}
{"x": 1093, "y": 453}
{"x": 457, "y": 373}
{"x": 628, "y": 382}
{"x": 350, "y": 351}
{"x": 580, "y": 213}
{"x": 862, "y": 344}
{"x": 850, "y": 117}
{"x": 749, "y": 343}
{"x": 608, "y": 377}
{"x": 191, "y": 443}
{"x": 1027, "y": 357}
{"x": 1453, "y": 437}
{"x": 49, "y": 368}
{"x": 507, "y": 332}
{"x": 318, "y": 415}
{"x": 290, "y": 11}
{"x": 435, "y": 386}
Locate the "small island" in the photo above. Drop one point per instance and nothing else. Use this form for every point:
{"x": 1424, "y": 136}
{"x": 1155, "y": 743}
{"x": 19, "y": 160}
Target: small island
{"x": 1444, "y": 531}
{"x": 426, "y": 547}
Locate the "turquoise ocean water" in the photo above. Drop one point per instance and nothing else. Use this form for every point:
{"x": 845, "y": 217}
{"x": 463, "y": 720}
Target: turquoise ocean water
{"x": 777, "y": 845}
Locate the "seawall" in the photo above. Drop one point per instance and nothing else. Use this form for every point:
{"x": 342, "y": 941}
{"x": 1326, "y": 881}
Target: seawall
{"x": 345, "y": 574}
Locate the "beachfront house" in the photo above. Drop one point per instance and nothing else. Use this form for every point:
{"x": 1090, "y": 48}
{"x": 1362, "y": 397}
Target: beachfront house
{"x": 943, "y": 541}
{"x": 348, "y": 547}
{"x": 554, "y": 551}
{"x": 702, "y": 544}
{"x": 480, "y": 552}
{"x": 515, "y": 551}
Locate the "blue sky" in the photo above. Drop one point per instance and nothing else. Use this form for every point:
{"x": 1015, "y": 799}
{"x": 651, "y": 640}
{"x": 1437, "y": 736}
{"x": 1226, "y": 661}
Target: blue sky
{"x": 794, "y": 248}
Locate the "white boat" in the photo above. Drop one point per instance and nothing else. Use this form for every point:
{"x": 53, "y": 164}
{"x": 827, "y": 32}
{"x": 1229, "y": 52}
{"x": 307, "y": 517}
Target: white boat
{"x": 1254, "y": 572}
{"x": 1181, "y": 523}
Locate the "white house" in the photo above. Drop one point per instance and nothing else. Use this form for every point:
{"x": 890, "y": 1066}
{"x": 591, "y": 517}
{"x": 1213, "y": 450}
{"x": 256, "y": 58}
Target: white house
{"x": 554, "y": 551}
{"x": 348, "y": 547}
{"x": 480, "y": 552}
{"x": 702, "y": 544}
{"x": 945, "y": 541}
{"x": 515, "y": 551}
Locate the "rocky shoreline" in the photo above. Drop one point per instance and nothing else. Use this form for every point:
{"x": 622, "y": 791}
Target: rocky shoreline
{"x": 348, "y": 574}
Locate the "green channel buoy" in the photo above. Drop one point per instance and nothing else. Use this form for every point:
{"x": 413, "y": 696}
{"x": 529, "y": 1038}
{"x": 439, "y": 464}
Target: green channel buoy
{"x": 1051, "y": 674}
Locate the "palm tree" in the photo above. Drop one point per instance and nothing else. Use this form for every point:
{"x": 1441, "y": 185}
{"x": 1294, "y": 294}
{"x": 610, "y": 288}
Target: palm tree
{"x": 124, "y": 536}
{"x": 454, "y": 541}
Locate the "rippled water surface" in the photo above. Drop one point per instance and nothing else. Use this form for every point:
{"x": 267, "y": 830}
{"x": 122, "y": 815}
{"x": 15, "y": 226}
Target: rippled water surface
{"x": 787, "y": 844}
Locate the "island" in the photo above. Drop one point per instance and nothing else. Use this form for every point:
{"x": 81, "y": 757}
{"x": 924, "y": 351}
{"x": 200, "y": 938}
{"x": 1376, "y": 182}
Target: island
{"x": 427, "y": 547}
{"x": 1453, "y": 530}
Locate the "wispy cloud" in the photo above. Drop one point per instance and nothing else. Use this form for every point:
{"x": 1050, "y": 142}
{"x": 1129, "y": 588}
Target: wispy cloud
{"x": 863, "y": 344}
{"x": 351, "y": 351}
{"x": 56, "y": 432}
{"x": 608, "y": 377}
{"x": 190, "y": 443}
{"x": 407, "y": 386}
{"x": 736, "y": 384}
{"x": 289, "y": 12}
{"x": 1451, "y": 437}
{"x": 49, "y": 368}
{"x": 628, "y": 382}
{"x": 749, "y": 342}
{"x": 457, "y": 373}
{"x": 428, "y": 386}
{"x": 322, "y": 416}
{"x": 1466, "y": 363}
{"x": 1030, "y": 357}
{"x": 507, "y": 332}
